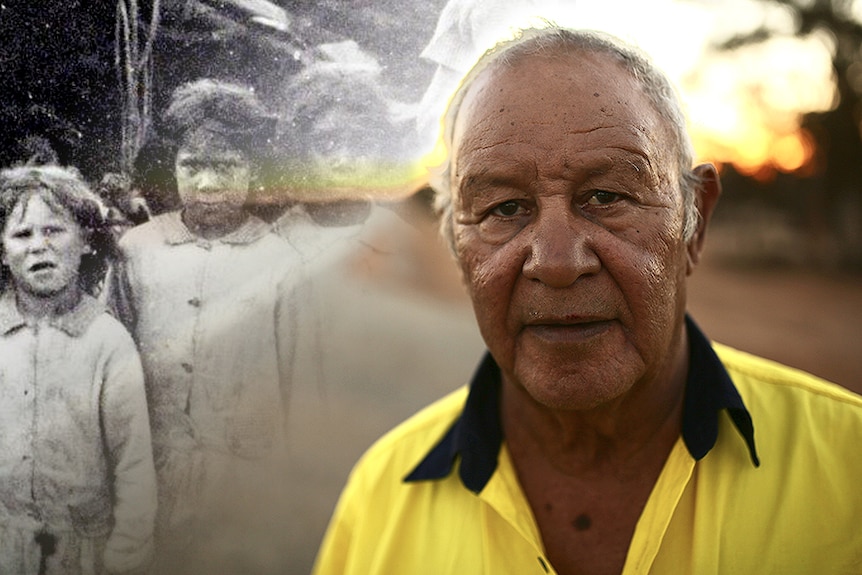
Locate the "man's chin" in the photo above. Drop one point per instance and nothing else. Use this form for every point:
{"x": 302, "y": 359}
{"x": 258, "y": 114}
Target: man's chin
{"x": 572, "y": 382}
{"x": 574, "y": 393}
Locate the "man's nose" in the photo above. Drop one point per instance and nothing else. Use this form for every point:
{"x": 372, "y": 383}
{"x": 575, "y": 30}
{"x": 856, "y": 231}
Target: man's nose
{"x": 561, "y": 248}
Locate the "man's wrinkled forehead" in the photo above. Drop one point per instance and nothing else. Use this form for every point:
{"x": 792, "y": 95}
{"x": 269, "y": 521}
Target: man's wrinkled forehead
{"x": 591, "y": 86}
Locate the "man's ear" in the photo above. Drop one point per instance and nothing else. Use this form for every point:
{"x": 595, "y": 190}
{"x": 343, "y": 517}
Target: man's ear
{"x": 706, "y": 197}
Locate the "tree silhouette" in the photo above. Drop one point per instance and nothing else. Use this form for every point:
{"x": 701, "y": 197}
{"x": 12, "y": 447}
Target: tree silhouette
{"x": 81, "y": 78}
{"x": 833, "y": 196}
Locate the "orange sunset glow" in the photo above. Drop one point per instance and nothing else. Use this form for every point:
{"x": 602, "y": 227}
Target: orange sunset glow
{"x": 744, "y": 107}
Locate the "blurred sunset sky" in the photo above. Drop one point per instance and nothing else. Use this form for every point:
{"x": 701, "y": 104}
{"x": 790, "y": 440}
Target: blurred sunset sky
{"x": 743, "y": 105}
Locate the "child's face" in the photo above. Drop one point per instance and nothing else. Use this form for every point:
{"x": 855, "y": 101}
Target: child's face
{"x": 213, "y": 177}
{"x": 341, "y": 152}
{"x": 42, "y": 248}
{"x": 342, "y": 148}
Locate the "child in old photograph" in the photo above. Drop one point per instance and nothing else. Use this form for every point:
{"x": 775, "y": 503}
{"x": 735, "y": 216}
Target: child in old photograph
{"x": 206, "y": 292}
{"x": 77, "y": 483}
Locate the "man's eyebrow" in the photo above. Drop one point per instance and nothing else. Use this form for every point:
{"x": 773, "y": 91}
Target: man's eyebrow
{"x": 637, "y": 161}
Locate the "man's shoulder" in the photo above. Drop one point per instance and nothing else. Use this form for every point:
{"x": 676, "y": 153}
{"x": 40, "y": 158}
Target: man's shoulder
{"x": 807, "y": 432}
{"x": 795, "y": 411}
{"x": 749, "y": 370}
{"x": 397, "y": 452}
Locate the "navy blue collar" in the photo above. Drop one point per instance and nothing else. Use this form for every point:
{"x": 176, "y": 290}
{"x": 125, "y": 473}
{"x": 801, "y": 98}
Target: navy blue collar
{"x": 476, "y": 436}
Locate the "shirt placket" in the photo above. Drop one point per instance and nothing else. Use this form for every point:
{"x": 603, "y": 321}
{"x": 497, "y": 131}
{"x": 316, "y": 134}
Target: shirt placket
{"x": 35, "y": 502}
{"x": 659, "y": 510}
{"x": 197, "y": 301}
{"x": 507, "y": 504}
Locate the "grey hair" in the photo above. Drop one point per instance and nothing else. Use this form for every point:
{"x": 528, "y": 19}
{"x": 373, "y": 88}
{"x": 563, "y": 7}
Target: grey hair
{"x": 532, "y": 41}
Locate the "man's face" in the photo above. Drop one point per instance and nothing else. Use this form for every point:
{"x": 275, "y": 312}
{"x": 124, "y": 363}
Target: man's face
{"x": 213, "y": 176}
{"x": 42, "y": 248}
{"x": 568, "y": 226}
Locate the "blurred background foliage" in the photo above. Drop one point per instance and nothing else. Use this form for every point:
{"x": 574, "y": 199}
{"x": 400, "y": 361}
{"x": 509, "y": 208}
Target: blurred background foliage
{"x": 811, "y": 215}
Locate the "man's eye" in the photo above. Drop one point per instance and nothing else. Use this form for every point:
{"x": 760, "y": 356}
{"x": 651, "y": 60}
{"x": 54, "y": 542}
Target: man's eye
{"x": 506, "y": 209}
{"x": 601, "y": 198}
{"x": 22, "y": 234}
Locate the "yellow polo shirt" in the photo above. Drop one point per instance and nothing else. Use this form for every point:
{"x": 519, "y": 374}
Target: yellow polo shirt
{"x": 439, "y": 493}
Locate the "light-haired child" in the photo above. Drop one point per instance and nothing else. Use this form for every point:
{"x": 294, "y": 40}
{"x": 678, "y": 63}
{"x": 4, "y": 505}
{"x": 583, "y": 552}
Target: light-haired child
{"x": 77, "y": 484}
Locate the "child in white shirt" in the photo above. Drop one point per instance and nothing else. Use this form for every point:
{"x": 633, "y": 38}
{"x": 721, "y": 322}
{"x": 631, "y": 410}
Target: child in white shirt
{"x": 77, "y": 484}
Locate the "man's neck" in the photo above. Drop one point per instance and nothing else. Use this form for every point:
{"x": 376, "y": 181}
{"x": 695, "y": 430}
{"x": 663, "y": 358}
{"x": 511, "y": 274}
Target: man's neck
{"x": 587, "y": 475}
{"x": 643, "y": 423}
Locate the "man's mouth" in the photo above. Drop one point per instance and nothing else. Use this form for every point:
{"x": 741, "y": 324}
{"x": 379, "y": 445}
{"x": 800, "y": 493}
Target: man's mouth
{"x": 567, "y": 329}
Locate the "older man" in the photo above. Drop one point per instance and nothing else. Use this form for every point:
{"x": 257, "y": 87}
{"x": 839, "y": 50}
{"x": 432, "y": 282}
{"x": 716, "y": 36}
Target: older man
{"x": 602, "y": 433}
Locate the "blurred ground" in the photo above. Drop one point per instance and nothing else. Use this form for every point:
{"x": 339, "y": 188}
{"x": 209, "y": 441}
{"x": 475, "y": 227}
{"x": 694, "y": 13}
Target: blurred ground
{"x": 809, "y": 320}
{"x": 401, "y": 334}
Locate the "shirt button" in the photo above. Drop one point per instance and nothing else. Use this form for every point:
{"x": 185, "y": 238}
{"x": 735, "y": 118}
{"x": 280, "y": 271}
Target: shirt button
{"x": 195, "y": 302}
{"x": 543, "y": 564}
{"x": 187, "y": 367}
